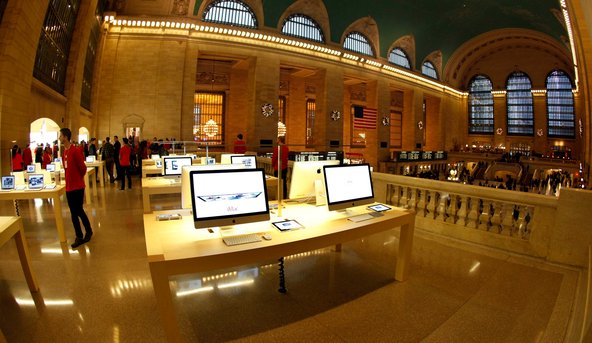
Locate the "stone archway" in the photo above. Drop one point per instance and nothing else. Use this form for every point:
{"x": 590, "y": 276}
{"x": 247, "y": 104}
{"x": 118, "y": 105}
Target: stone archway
{"x": 133, "y": 125}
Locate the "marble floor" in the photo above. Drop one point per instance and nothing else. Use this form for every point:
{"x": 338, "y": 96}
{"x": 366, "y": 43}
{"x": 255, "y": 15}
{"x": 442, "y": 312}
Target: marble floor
{"x": 102, "y": 292}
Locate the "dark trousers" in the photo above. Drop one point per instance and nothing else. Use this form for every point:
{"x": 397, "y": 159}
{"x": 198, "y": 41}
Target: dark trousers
{"x": 285, "y": 183}
{"x": 109, "y": 166}
{"x": 125, "y": 171}
{"x": 75, "y": 200}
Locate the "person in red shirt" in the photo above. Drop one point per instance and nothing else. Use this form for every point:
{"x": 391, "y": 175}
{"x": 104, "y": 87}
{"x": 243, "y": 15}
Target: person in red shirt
{"x": 239, "y": 144}
{"x": 17, "y": 159}
{"x": 46, "y": 157}
{"x": 27, "y": 156}
{"x": 281, "y": 147}
{"x": 74, "y": 168}
{"x": 124, "y": 163}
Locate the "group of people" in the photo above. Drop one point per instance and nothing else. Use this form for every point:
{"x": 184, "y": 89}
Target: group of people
{"x": 23, "y": 157}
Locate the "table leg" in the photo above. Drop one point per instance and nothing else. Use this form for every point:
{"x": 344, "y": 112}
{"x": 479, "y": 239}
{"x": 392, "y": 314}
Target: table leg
{"x": 94, "y": 184}
{"x": 405, "y": 247}
{"x": 87, "y": 193}
{"x": 57, "y": 211}
{"x": 23, "y": 251}
{"x": 164, "y": 301}
{"x": 2, "y": 338}
{"x": 146, "y": 201}
{"x": 102, "y": 175}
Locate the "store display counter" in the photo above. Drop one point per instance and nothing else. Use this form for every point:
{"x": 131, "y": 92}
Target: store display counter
{"x": 175, "y": 247}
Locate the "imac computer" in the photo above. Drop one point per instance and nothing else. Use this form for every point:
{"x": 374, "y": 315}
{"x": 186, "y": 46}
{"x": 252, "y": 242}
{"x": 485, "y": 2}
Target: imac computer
{"x": 228, "y": 196}
{"x": 348, "y": 185}
{"x": 155, "y": 157}
{"x": 8, "y": 182}
{"x": 31, "y": 168}
{"x": 50, "y": 167}
{"x": 185, "y": 183}
{"x": 249, "y": 161}
{"x": 307, "y": 177}
{"x": 35, "y": 181}
{"x": 172, "y": 166}
{"x": 90, "y": 159}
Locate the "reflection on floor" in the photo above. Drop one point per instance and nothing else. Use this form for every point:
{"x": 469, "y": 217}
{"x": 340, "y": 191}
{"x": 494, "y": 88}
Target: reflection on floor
{"x": 102, "y": 292}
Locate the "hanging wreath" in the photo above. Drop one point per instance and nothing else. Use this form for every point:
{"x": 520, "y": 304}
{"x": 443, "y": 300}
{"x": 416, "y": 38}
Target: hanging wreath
{"x": 386, "y": 121}
{"x": 540, "y": 132}
{"x": 420, "y": 125}
{"x": 335, "y": 115}
{"x": 267, "y": 110}
{"x": 499, "y": 131}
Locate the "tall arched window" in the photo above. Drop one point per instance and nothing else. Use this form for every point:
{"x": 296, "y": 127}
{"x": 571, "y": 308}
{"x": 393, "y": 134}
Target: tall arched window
{"x": 428, "y": 69}
{"x": 399, "y": 57}
{"x": 520, "y": 105}
{"x": 301, "y": 26}
{"x": 357, "y": 42}
{"x": 230, "y": 12}
{"x": 480, "y": 105}
{"x": 561, "y": 119}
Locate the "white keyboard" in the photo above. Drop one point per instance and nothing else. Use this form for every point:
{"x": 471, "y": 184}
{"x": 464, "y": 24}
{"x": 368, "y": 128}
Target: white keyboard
{"x": 364, "y": 216}
{"x": 242, "y": 239}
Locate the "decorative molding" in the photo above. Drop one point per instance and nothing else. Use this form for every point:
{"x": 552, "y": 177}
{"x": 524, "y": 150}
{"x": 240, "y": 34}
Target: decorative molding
{"x": 180, "y": 7}
{"x": 310, "y": 89}
{"x": 209, "y": 78}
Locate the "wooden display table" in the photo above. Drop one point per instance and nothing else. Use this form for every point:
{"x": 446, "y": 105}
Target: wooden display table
{"x": 175, "y": 247}
{"x": 100, "y": 166}
{"x": 53, "y": 194}
{"x": 150, "y": 170}
{"x": 13, "y": 227}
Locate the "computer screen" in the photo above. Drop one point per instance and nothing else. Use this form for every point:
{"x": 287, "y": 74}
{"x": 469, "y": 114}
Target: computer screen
{"x": 155, "y": 157}
{"x": 348, "y": 186}
{"x": 228, "y": 197}
{"x": 30, "y": 168}
{"x": 225, "y": 158}
{"x": 50, "y": 167}
{"x": 186, "y": 184}
{"x": 173, "y": 165}
{"x": 57, "y": 160}
{"x": 8, "y": 182}
{"x": 304, "y": 176}
{"x": 35, "y": 181}
{"x": 90, "y": 159}
{"x": 249, "y": 161}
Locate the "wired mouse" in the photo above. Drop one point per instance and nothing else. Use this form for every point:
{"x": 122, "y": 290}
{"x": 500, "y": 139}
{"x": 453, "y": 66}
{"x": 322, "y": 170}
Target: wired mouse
{"x": 266, "y": 237}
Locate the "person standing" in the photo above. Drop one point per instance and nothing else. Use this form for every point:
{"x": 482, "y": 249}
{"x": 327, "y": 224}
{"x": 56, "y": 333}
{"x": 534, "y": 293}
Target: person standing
{"x": 240, "y": 147}
{"x": 116, "y": 147}
{"x": 107, "y": 156}
{"x": 46, "y": 157}
{"x": 124, "y": 164}
{"x": 92, "y": 147}
{"x": 17, "y": 159}
{"x": 74, "y": 168}
{"x": 27, "y": 155}
{"x": 281, "y": 147}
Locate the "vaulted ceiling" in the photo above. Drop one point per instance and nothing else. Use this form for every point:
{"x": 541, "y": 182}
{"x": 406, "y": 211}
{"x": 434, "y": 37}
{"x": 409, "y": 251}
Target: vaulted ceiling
{"x": 435, "y": 24}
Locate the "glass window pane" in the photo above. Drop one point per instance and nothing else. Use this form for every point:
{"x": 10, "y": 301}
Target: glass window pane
{"x": 481, "y": 106}
{"x": 428, "y": 69}
{"x": 560, "y": 106}
{"x": 520, "y": 119}
{"x": 399, "y": 57}
{"x": 301, "y": 26}
{"x": 230, "y": 12}
{"x": 357, "y": 42}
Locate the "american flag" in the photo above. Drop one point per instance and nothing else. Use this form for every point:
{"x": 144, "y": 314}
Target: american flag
{"x": 365, "y": 119}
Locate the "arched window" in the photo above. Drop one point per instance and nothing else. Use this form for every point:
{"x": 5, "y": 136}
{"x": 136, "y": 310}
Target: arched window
{"x": 301, "y": 26}
{"x": 561, "y": 119}
{"x": 428, "y": 69}
{"x": 230, "y": 12}
{"x": 399, "y": 57}
{"x": 480, "y": 105}
{"x": 357, "y": 42}
{"x": 520, "y": 105}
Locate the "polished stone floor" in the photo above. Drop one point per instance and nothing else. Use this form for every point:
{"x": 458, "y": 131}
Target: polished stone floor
{"x": 102, "y": 292}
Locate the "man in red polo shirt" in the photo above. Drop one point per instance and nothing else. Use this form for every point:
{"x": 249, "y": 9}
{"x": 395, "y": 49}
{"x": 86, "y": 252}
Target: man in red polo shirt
{"x": 74, "y": 167}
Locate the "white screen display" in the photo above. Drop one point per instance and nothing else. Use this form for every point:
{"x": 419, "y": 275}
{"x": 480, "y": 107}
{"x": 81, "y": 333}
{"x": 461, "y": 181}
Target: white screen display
{"x": 348, "y": 182}
{"x": 35, "y": 181}
{"x": 174, "y": 165}
{"x": 50, "y": 167}
{"x": 228, "y": 193}
{"x": 7, "y": 182}
{"x": 31, "y": 168}
{"x": 90, "y": 159}
{"x": 247, "y": 160}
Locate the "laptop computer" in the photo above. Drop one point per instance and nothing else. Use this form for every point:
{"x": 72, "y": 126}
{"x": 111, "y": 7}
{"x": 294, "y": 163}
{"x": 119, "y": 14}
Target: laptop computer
{"x": 35, "y": 181}
{"x": 90, "y": 159}
{"x": 8, "y": 183}
{"x": 50, "y": 167}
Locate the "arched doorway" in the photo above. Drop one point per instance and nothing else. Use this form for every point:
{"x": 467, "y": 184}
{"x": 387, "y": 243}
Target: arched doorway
{"x": 43, "y": 131}
{"x": 83, "y": 134}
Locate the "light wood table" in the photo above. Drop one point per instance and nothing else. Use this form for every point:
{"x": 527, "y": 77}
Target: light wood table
{"x": 53, "y": 194}
{"x": 150, "y": 170}
{"x": 90, "y": 184}
{"x": 100, "y": 165}
{"x": 175, "y": 247}
{"x": 162, "y": 185}
{"x": 13, "y": 227}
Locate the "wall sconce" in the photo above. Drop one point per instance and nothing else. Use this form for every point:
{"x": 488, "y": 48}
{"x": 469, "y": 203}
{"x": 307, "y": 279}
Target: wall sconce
{"x": 281, "y": 129}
